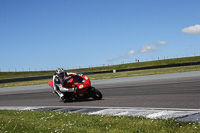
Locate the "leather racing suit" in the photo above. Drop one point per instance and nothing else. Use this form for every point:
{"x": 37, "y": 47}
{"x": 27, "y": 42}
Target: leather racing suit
{"x": 58, "y": 84}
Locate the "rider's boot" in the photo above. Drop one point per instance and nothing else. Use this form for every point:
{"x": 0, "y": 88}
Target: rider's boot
{"x": 75, "y": 88}
{"x": 61, "y": 95}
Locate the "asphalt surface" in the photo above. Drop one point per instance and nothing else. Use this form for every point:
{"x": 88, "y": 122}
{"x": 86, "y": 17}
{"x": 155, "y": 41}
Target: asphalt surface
{"x": 180, "y": 90}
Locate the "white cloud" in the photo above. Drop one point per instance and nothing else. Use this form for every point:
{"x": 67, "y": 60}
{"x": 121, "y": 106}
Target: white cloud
{"x": 144, "y": 49}
{"x": 111, "y": 59}
{"x": 159, "y": 43}
{"x": 117, "y": 58}
{"x": 148, "y": 49}
{"x": 132, "y": 52}
{"x": 194, "y": 30}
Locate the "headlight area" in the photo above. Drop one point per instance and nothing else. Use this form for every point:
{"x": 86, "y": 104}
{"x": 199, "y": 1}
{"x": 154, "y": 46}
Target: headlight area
{"x": 81, "y": 86}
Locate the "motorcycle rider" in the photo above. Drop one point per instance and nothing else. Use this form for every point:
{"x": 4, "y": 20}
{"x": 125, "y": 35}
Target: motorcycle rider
{"x": 59, "y": 78}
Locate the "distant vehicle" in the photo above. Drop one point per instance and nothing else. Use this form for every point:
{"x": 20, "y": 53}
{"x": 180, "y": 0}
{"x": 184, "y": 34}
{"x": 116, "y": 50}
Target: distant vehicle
{"x": 84, "y": 90}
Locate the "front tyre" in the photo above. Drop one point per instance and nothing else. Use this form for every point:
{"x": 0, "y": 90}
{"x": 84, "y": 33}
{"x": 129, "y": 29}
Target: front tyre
{"x": 96, "y": 94}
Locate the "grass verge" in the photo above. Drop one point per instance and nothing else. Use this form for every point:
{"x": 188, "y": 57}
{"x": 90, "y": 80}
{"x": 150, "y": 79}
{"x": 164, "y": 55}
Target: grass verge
{"x": 5, "y": 75}
{"x": 113, "y": 75}
{"x": 48, "y": 121}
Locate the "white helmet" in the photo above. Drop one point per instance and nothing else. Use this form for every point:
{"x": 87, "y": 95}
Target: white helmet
{"x": 60, "y": 72}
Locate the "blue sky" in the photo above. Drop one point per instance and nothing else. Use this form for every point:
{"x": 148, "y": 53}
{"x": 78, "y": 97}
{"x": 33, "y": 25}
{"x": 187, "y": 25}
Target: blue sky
{"x": 46, "y": 34}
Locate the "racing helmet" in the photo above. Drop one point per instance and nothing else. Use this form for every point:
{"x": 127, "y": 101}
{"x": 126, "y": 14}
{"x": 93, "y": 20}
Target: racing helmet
{"x": 60, "y": 72}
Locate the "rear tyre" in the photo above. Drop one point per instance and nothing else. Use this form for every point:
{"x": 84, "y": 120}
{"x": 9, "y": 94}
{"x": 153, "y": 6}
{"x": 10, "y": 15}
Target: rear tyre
{"x": 68, "y": 97}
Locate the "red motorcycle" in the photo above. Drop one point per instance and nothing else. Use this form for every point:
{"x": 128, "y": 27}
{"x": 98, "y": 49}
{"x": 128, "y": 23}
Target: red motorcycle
{"x": 83, "y": 88}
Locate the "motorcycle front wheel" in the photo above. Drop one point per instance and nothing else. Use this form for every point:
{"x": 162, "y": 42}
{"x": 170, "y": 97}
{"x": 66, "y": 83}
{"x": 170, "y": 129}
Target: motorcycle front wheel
{"x": 96, "y": 94}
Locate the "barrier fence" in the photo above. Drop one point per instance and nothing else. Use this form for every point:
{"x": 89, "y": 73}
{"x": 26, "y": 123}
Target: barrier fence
{"x": 97, "y": 65}
{"x": 100, "y": 72}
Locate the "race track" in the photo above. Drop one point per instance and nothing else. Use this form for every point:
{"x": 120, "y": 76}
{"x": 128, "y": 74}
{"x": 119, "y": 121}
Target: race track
{"x": 181, "y": 90}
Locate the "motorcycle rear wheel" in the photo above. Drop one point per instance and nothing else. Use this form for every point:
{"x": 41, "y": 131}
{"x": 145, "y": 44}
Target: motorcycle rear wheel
{"x": 67, "y": 97}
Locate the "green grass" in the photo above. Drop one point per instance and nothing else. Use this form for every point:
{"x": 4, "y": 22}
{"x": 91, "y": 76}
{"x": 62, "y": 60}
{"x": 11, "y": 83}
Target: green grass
{"x": 4, "y": 75}
{"x": 142, "y": 64}
{"x": 48, "y": 121}
{"x": 145, "y": 72}
{"x": 24, "y": 83}
{"x": 113, "y": 75}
